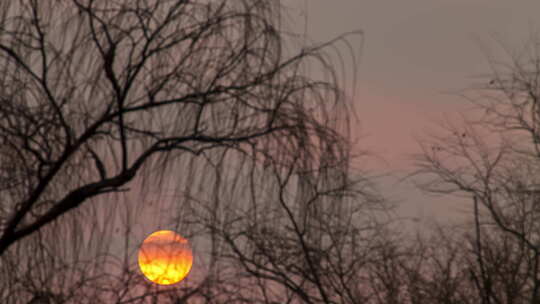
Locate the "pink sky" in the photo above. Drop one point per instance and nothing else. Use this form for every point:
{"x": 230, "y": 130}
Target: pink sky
{"x": 413, "y": 54}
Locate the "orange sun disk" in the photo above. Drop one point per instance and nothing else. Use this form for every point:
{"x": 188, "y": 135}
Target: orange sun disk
{"x": 165, "y": 257}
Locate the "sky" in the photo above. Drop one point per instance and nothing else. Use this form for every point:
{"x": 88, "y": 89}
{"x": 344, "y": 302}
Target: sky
{"x": 414, "y": 57}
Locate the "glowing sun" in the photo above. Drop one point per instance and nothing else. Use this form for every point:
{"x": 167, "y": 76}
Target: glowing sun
{"x": 165, "y": 257}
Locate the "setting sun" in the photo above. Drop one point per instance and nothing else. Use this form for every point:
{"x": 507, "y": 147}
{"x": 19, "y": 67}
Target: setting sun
{"x": 165, "y": 257}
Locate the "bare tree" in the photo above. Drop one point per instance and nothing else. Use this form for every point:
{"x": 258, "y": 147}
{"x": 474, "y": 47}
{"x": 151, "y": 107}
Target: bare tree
{"x": 492, "y": 158}
{"x": 92, "y": 91}
{"x": 305, "y": 242}
{"x": 102, "y": 99}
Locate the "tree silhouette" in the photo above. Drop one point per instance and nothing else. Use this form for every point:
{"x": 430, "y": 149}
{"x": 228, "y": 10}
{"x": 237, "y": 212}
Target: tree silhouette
{"x": 492, "y": 158}
{"x": 93, "y": 91}
{"x": 103, "y": 99}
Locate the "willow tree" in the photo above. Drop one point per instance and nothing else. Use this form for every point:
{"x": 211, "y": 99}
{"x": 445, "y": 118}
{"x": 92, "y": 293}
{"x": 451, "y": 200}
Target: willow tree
{"x": 101, "y": 99}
